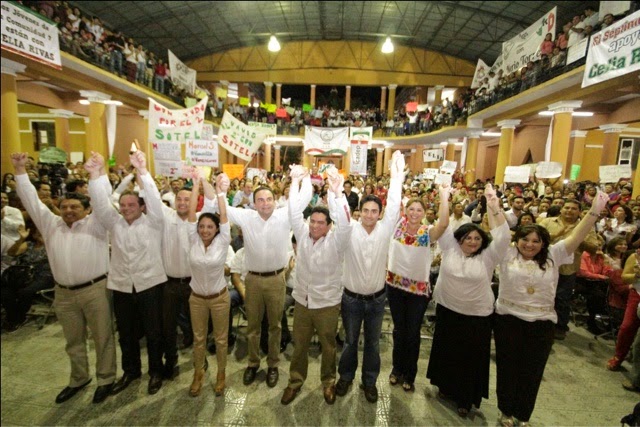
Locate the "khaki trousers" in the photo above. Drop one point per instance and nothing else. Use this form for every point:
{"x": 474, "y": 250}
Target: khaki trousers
{"x": 264, "y": 293}
{"x": 76, "y": 310}
{"x": 306, "y": 322}
{"x": 200, "y": 309}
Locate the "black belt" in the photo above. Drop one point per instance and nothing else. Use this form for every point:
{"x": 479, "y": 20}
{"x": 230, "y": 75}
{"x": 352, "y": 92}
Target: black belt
{"x": 267, "y": 273}
{"x": 84, "y": 285}
{"x": 364, "y": 297}
{"x": 180, "y": 279}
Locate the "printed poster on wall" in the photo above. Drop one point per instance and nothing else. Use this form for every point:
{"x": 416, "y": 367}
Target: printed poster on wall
{"x": 326, "y": 141}
{"x": 614, "y": 51}
{"x": 525, "y": 47}
{"x": 239, "y": 139}
{"x": 30, "y": 34}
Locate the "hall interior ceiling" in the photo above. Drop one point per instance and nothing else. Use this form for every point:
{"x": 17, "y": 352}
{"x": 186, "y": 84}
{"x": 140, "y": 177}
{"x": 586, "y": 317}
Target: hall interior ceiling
{"x": 191, "y": 29}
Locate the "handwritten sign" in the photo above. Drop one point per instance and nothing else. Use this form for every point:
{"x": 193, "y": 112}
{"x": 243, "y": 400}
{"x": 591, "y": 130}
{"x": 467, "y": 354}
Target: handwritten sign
{"x": 166, "y": 151}
{"x": 166, "y": 125}
{"x": 613, "y": 173}
{"x": 181, "y": 75}
{"x": 202, "y": 153}
{"x": 233, "y": 171}
{"x": 549, "y": 170}
{"x": 269, "y": 129}
{"x": 168, "y": 167}
{"x": 434, "y": 155}
{"x": 448, "y": 166}
{"x": 238, "y": 138}
{"x": 518, "y": 174}
{"x": 29, "y": 34}
{"x": 430, "y": 173}
{"x": 443, "y": 178}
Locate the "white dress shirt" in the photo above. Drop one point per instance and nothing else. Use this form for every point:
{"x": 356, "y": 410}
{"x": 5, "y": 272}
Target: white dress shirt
{"x": 512, "y": 218}
{"x": 207, "y": 264}
{"x": 366, "y": 256}
{"x": 175, "y": 244}
{"x": 77, "y": 254}
{"x": 267, "y": 242}
{"x": 464, "y": 283}
{"x": 136, "y": 248}
{"x": 319, "y": 263}
{"x": 456, "y": 223}
{"x": 237, "y": 200}
{"x": 12, "y": 220}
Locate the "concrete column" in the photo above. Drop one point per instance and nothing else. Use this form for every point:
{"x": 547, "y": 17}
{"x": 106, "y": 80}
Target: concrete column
{"x": 267, "y": 158}
{"x": 611, "y": 143}
{"x": 267, "y": 92}
{"x": 347, "y": 99}
{"x": 473, "y": 140}
{"x": 636, "y": 181}
{"x": 504, "y": 151}
{"x": 387, "y": 159}
{"x": 421, "y": 95}
{"x": 278, "y": 95}
{"x": 561, "y": 136}
{"x": 276, "y": 158}
{"x": 450, "y": 152}
{"x": 97, "y": 128}
{"x": 312, "y": 96}
{"x": 379, "y": 161}
{"x": 438, "y": 98}
{"x": 413, "y": 160}
{"x": 578, "y": 138}
{"x": 383, "y": 98}
{"x": 62, "y": 128}
{"x": 10, "y": 122}
{"x": 392, "y": 100}
{"x": 243, "y": 90}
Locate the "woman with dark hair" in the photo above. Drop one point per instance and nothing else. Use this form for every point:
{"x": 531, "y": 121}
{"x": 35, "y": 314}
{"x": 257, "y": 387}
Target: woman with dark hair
{"x": 525, "y": 219}
{"x": 525, "y": 320}
{"x": 615, "y": 256}
{"x": 459, "y": 360}
{"x": 368, "y": 189}
{"x": 408, "y": 288}
{"x": 209, "y": 296}
{"x": 8, "y": 183}
{"x": 622, "y": 224}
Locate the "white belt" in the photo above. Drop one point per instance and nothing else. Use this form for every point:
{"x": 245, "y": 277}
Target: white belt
{"x": 529, "y": 308}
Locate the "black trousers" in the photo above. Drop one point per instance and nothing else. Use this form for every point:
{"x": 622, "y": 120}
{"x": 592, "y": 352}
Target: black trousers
{"x": 522, "y": 351}
{"x": 136, "y": 311}
{"x": 175, "y": 299}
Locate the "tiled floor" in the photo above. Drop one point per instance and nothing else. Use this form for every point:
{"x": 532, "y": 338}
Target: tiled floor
{"x": 577, "y": 390}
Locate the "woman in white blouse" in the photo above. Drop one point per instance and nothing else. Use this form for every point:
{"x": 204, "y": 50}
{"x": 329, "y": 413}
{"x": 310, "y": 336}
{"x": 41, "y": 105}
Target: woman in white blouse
{"x": 459, "y": 360}
{"x": 622, "y": 224}
{"x": 210, "y": 241}
{"x": 526, "y": 317}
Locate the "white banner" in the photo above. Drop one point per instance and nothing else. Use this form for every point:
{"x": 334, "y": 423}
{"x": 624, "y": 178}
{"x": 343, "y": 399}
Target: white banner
{"x": 548, "y": 170}
{"x": 443, "y": 178}
{"x": 358, "y": 157}
{"x": 613, "y": 173}
{"x": 326, "y": 140}
{"x": 29, "y": 34}
{"x": 497, "y": 64}
{"x": 166, "y": 125}
{"x": 181, "y": 75}
{"x": 238, "y": 138}
{"x": 361, "y": 134}
{"x": 482, "y": 71}
{"x": 449, "y": 166}
{"x": 525, "y": 47}
{"x": 577, "y": 51}
{"x": 269, "y": 129}
{"x": 166, "y": 151}
{"x": 203, "y": 152}
{"x": 434, "y": 155}
{"x": 614, "y": 51}
{"x": 517, "y": 174}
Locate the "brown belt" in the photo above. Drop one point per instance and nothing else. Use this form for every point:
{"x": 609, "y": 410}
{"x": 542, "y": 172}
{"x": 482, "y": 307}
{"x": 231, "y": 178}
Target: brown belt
{"x": 212, "y": 296}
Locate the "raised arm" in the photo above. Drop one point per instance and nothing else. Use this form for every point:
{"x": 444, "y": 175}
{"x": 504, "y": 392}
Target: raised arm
{"x": 586, "y": 224}
{"x": 152, "y": 198}
{"x": 443, "y": 213}
{"x": 296, "y": 200}
{"x": 102, "y": 207}
{"x": 394, "y": 197}
{"x": 222, "y": 186}
{"x": 494, "y": 208}
{"x": 339, "y": 209}
{"x": 193, "y": 200}
{"x": 38, "y": 211}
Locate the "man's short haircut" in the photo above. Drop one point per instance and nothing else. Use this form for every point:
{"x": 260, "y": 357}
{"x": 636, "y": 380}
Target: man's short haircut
{"x": 347, "y": 182}
{"x": 132, "y": 193}
{"x": 517, "y": 197}
{"x": 77, "y": 196}
{"x": 72, "y": 186}
{"x": 324, "y": 211}
{"x": 260, "y": 188}
{"x": 574, "y": 201}
{"x": 371, "y": 198}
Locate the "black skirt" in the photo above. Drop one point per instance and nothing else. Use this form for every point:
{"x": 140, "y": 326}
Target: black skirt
{"x": 460, "y": 356}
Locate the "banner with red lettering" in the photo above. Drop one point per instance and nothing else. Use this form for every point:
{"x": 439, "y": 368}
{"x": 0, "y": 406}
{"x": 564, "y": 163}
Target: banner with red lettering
{"x": 238, "y": 138}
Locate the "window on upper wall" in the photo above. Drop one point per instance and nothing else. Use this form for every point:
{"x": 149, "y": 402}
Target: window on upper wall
{"x": 44, "y": 134}
{"x": 628, "y": 153}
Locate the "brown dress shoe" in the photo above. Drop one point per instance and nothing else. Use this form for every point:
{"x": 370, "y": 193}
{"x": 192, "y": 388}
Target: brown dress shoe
{"x": 220, "y": 384}
{"x": 330, "y": 394}
{"x": 272, "y": 377}
{"x": 288, "y": 395}
{"x": 196, "y": 385}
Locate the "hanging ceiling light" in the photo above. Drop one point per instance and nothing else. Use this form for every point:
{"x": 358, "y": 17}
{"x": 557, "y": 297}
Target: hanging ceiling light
{"x": 273, "y": 46}
{"x": 387, "y": 47}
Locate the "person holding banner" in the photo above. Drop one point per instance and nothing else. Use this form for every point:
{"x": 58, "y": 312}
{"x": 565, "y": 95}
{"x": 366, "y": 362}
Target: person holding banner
{"x": 524, "y": 325}
{"x": 460, "y": 355}
{"x": 266, "y": 232}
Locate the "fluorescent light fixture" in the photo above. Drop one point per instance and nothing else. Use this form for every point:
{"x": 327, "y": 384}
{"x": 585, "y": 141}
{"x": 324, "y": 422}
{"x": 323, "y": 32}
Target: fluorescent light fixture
{"x": 575, "y": 113}
{"x": 256, "y": 104}
{"x": 387, "y": 46}
{"x": 444, "y": 143}
{"x": 112, "y": 102}
{"x": 274, "y": 45}
{"x": 232, "y": 95}
{"x": 84, "y": 102}
{"x": 459, "y": 144}
{"x": 491, "y": 134}
{"x": 287, "y": 139}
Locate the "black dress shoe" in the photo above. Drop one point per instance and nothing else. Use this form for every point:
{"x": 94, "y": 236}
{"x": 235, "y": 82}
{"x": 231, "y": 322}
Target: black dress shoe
{"x": 249, "y": 375}
{"x": 170, "y": 371}
{"x": 68, "y": 392}
{"x": 370, "y": 393}
{"x": 155, "y": 382}
{"x": 102, "y": 392}
{"x": 272, "y": 377}
{"x": 124, "y": 382}
{"x": 342, "y": 387}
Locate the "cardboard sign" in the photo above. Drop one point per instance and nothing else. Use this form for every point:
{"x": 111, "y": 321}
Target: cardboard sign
{"x": 613, "y": 173}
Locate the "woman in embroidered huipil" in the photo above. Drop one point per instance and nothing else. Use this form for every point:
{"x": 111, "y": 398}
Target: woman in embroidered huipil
{"x": 408, "y": 289}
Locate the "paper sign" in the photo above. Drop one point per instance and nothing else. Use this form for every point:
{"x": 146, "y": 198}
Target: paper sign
{"x": 238, "y": 138}
{"x": 290, "y": 111}
{"x": 233, "y": 171}
{"x": 518, "y": 174}
{"x": 242, "y": 101}
{"x": 548, "y": 170}
{"x": 269, "y": 129}
{"x": 306, "y": 107}
{"x": 271, "y": 108}
{"x": 613, "y": 173}
{"x": 281, "y": 113}
{"x": 423, "y": 107}
{"x": 166, "y": 125}
{"x": 430, "y": 173}
{"x": 251, "y": 172}
{"x": 411, "y": 106}
{"x": 434, "y": 155}
{"x": 575, "y": 172}
{"x": 202, "y": 153}
{"x": 52, "y": 155}
{"x": 168, "y": 167}
{"x": 448, "y": 166}
{"x": 166, "y": 151}
{"x": 443, "y": 178}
